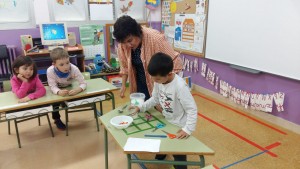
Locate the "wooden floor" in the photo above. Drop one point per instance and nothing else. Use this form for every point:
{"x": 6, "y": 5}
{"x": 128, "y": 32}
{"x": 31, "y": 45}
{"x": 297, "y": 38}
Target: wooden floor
{"x": 240, "y": 140}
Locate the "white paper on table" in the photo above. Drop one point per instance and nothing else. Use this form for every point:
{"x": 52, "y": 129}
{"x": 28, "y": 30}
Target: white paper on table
{"x": 141, "y": 144}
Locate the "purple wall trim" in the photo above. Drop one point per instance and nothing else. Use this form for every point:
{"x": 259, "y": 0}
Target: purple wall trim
{"x": 12, "y": 37}
{"x": 155, "y": 25}
{"x": 258, "y": 83}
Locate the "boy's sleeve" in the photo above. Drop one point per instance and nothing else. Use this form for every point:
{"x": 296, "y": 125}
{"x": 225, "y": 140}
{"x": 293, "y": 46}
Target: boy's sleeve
{"x": 40, "y": 89}
{"x": 153, "y": 101}
{"x": 189, "y": 106}
{"x": 79, "y": 77}
{"x": 19, "y": 89}
{"x": 51, "y": 81}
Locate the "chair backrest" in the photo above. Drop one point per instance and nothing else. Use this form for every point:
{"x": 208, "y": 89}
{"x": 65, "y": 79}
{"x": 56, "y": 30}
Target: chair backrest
{"x": 6, "y": 86}
{"x": 5, "y": 63}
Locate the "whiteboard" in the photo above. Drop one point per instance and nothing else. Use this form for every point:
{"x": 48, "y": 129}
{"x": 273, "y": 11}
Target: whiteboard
{"x": 257, "y": 34}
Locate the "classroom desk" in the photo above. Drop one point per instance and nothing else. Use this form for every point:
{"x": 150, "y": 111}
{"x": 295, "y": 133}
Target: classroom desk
{"x": 95, "y": 87}
{"x": 190, "y": 146}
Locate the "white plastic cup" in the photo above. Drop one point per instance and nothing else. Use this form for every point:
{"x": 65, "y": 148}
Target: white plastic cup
{"x": 137, "y": 99}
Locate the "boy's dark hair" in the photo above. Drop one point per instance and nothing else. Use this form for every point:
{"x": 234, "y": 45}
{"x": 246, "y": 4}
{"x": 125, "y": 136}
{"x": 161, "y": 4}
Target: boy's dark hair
{"x": 58, "y": 53}
{"x": 160, "y": 64}
{"x": 126, "y": 26}
{"x": 21, "y": 61}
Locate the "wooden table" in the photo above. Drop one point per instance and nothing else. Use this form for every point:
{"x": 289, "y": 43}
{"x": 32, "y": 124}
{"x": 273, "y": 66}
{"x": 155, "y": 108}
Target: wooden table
{"x": 190, "y": 146}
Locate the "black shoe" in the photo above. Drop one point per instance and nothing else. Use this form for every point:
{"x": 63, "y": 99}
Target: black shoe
{"x": 59, "y": 124}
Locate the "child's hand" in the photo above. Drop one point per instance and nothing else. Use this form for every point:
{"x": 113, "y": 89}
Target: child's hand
{"x": 182, "y": 134}
{"x": 75, "y": 91}
{"x": 135, "y": 111}
{"x": 21, "y": 77}
{"x": 25, "y": 99}
{"x": 63, "y": 92}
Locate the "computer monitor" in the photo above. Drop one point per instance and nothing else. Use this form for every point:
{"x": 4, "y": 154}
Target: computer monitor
{"x": 54, "y": 34}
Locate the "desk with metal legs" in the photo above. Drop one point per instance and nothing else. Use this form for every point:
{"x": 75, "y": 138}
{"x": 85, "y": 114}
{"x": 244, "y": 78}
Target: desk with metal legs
{"x": 95, "y": 87}
{"x": 190, "y": 146}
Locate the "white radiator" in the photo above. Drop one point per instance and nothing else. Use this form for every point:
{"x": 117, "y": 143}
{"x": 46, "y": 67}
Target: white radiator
{"x": 12, "y": 55}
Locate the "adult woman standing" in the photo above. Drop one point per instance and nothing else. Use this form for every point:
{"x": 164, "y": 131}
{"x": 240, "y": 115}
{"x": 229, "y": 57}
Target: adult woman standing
{"x": 136, "y": 46}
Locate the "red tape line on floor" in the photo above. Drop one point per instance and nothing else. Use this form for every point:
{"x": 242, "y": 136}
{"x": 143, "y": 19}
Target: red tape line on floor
{"x": 237, "y": 135}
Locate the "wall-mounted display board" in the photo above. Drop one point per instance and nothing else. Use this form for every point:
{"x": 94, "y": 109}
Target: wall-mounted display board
{"x": 261, "y": 35}
{"x": 184, "y": 24}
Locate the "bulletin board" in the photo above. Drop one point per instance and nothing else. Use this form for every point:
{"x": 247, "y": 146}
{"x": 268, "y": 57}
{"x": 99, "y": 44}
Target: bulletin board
{"x": 184, "y": 25}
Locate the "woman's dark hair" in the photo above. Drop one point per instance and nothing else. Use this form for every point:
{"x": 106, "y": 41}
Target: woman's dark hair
{"x": 160, "y": 64}
{"x": 126, "y": 26}
{"x": 24, "y": 60}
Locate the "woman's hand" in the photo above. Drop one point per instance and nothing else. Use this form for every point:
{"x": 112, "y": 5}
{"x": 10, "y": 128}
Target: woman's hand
{"x": 122, "y": 91}
{"x": 182, "y": 134}
{"x": 25, "y": 99}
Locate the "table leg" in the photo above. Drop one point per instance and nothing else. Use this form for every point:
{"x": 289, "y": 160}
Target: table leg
{"x": 129, "y": 161}
{"x": 106, "y": 148}
{"x": 202, "y": 161}
{"x": 113, "y": 100}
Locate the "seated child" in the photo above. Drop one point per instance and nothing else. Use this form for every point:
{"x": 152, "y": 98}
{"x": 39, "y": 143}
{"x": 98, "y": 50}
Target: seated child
{"x": 174, "y": 96}
{"x": 60, "y": 75}
{"x": 25, "y": 82}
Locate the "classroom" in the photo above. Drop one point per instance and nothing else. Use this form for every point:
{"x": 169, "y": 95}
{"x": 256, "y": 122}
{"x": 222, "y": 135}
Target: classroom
{"x": 149, "y": 84}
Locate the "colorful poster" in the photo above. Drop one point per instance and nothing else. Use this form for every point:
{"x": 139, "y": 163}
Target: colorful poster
{"x": 189, "y": 32}
{"x": 165, "y": 13}
{"x": 92, "y": 40}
